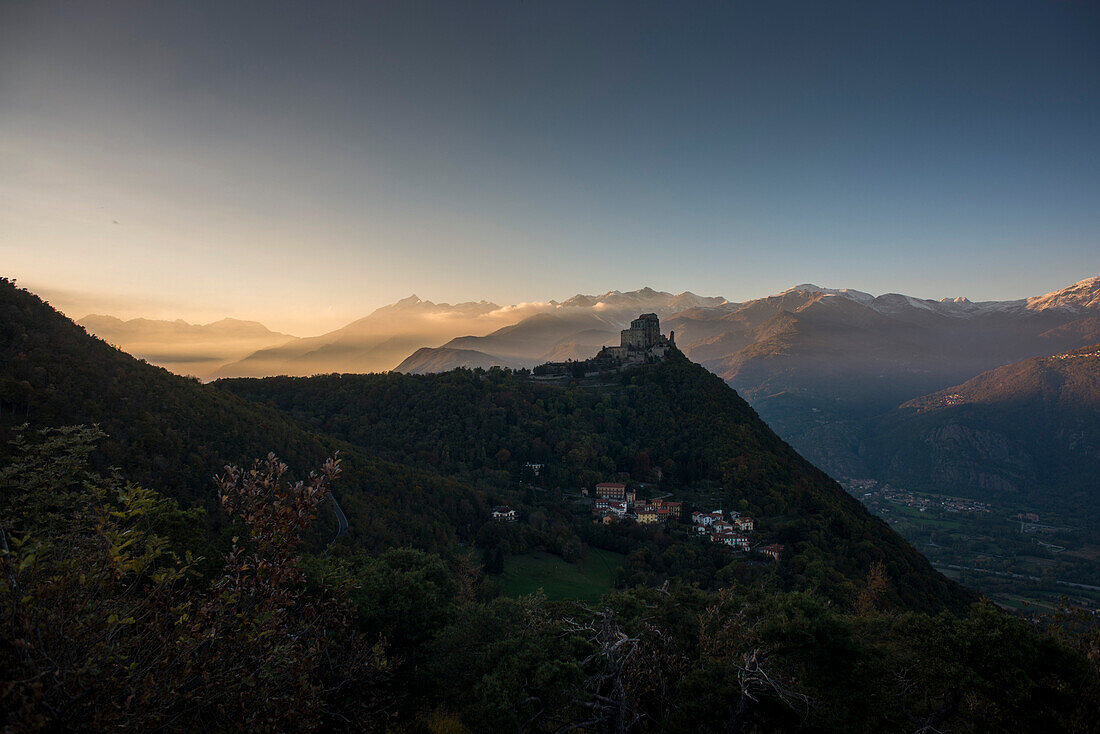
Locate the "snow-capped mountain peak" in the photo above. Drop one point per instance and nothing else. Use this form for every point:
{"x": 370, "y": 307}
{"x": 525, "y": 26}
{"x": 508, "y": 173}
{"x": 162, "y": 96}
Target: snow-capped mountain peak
{"x": 1082, "y": 295}
{"x": 854, "y": 295}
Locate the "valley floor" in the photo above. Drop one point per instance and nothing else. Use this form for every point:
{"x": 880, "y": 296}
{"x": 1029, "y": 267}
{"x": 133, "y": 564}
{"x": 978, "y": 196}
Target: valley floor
{"x": 1022, "y": 561}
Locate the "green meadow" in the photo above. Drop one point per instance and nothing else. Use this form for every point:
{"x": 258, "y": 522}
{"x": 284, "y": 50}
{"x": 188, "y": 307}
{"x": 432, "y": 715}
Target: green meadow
{"x": 587, "y": 580}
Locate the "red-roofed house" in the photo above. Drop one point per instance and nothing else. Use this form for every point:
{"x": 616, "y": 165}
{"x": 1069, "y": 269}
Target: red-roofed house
{"x": 611, "y": 490}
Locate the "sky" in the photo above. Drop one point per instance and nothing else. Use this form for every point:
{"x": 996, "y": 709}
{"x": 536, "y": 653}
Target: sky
{"x": 304, "y": 163}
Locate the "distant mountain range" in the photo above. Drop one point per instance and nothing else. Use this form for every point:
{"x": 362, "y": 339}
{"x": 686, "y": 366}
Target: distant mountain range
{"x": 844, "y": 331}
{"x": 923, "y": 343}
{"x": 183, "y": 348}
{"x": 422, "y": 454}
{"x": 826, "y": 368}
{"x": 382, "y": 340}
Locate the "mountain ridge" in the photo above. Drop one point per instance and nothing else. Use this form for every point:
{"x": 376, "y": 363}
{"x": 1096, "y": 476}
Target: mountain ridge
{"x": 175, "y": 433}
{"x": 384, "y": 339}
{"x": 1025, "y": 433}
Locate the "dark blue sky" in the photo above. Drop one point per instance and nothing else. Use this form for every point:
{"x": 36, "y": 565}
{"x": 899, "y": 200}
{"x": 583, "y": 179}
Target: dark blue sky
{"x": 529, "y": 150}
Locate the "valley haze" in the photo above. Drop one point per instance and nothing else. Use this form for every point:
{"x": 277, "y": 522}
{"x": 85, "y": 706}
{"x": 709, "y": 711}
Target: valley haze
{"x": 574, "y": 329}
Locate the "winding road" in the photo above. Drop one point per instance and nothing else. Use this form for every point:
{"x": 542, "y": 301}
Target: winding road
{"x": 341, "y": 519}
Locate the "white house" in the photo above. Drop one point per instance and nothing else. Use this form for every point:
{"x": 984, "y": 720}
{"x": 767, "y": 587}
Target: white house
{"x": 737, "y": 541}
{"x": 732, "y": 539}
{"x": 617, "y": 507}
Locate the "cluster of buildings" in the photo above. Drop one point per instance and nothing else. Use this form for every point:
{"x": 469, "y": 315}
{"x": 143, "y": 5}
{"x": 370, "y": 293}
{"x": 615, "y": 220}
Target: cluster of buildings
{"x": 733, "y": 532}
{"x": 875, "y": 495}
{"x": 923, "y": 503}
{"x": 963, "y": 504}
{"x": 615, "y": 502}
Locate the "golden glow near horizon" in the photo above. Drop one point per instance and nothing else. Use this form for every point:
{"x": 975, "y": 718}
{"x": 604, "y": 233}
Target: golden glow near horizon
{"x": 176, "y": 160}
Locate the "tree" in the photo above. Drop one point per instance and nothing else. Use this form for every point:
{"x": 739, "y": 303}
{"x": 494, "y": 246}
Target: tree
{"x": 108, "y": 626}
{"x": 868, "y": 599}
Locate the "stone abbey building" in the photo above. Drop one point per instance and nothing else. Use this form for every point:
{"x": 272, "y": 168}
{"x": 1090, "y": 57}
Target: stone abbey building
{"x": 642, "y": 343}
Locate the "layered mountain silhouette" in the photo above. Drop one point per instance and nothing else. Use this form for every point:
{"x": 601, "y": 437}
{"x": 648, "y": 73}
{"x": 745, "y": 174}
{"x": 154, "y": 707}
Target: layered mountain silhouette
{"x": 802, "y": 340}
{"x": 374, "y": 343}
{"x": 412, "y": 444}
{"x": 826, "y": 368}
{"x": 840, "y": 373}
{"x": 183, "y": 348}
{"x": 818, "y": 364}
{"x": 476, "y": 333}
{"x": 382, "y": 340}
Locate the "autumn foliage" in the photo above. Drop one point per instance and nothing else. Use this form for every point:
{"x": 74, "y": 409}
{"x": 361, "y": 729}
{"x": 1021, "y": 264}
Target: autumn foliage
{"x": 107, "y": 626}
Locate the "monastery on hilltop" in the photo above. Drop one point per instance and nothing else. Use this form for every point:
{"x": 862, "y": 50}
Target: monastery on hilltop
{"x": 642, "y": 343}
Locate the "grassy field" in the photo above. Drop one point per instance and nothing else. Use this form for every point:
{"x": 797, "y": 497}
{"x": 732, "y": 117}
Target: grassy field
{"x": 586, "y": 580}
{"x": 912, "y": 514}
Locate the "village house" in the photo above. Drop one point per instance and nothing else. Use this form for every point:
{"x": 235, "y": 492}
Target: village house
{"x": 732, "y": 539}
{"x": 774, "y": 551}
{"x": 720, "y": 526}
{"x": 665, "y": 508}
{"x": 503, "y": 513}
{"x": 646, "y": 516}
{"x": 743, "y": 524}
{"x": 703, "y": 518}
{"x": 609, "y": 507}
{"x": 611, "y": 490}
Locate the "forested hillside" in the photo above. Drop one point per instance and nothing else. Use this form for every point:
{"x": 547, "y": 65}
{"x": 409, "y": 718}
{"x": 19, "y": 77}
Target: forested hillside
{"x": 174, "y": 434}
{"x": 487, "y": 426}
{"x": 110, "y": 621}
{"x": 414, "y": 447}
